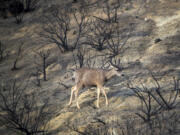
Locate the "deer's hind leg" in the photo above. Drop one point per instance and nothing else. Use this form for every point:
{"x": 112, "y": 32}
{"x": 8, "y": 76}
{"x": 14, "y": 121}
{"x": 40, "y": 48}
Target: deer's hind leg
{"x": 98, "y": 94}
{"x": 72, "y": 92}
{"x": 78, "y": 86}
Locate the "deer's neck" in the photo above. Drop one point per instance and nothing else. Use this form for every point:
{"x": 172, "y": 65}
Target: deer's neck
{"x": 109, "y": 74}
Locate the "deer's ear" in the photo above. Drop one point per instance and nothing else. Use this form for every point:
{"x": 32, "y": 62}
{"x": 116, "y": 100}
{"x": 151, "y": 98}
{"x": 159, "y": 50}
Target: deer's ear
{"x": 111, "y": 67}
{"x": 116, "y": 69}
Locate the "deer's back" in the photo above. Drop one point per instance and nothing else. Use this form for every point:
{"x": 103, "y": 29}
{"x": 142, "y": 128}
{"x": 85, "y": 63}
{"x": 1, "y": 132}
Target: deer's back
{"x": 89, "y": 77}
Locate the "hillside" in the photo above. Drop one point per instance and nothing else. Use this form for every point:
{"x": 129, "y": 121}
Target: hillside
{"x": 150, "y": 38}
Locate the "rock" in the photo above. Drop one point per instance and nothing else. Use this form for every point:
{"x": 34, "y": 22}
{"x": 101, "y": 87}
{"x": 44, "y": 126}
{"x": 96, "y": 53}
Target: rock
{"x": 157, "y": 40}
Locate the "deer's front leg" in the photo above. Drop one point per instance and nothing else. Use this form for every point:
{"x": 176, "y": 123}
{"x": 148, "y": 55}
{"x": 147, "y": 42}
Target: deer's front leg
{"x": 103, "y": 90}
{"x": 72, "y": 91}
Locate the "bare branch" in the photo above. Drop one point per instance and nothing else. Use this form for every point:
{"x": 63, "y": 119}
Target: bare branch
{"x": 58, "y": 26}
{"x": 2, "y": 51}
{"x": 20, "y": 111}
{"x": 44, "y": 56}
{"x": 18, "y": 56}
{"x": 99, "y": 34}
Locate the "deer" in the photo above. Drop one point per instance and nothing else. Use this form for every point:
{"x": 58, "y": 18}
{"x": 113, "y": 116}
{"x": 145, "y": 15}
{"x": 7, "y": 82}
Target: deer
{"x": 91, "y": 77}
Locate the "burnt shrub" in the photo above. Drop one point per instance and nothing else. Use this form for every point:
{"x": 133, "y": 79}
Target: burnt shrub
{"x": 16, "y": 8}
{"x": 30, "y": 5}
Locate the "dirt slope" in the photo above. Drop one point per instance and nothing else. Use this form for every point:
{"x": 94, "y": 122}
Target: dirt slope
{"x": 157, "y": 19}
